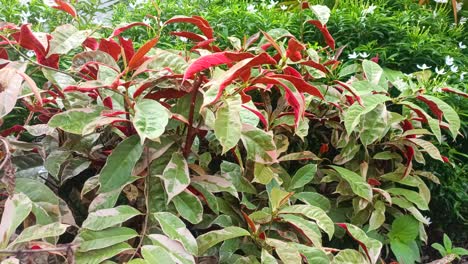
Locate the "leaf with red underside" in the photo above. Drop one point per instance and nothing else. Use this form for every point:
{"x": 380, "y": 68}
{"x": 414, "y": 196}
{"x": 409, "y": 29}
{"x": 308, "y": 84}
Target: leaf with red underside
{"x": 258, "y": 114}
{"x": 29, "y": 41}
{"x": 369, "y": 245}
{"x": 235, "y": 72}
{"x": 250, "y": 223}
{"x": 456, "y": 91}
{"x": 3, "y": 54}
{"x": 32, "y": 85}
{"x": 111, "y": 47}
{"x": 316, "y": 65}
{"x": 189, "y": 35}
{"x": 433, "y": 106}
{"x": 272, "y": 42}
{"x": 127, "y": 46}
{"x": 66, "y": 7}
{"x": 351, "y": 90}
{"x": 138, "y": 58}
{"x": 291, "y": 71}
{"x": 326, "y": 34}
{"x": 294, "y": 50}
{"x": 301, "y": 85}
{"x": 200, "y": 22}
{"x": 91, "y": 43}
{"x": 215, "y": 59}
{"x": 119, "y": 30}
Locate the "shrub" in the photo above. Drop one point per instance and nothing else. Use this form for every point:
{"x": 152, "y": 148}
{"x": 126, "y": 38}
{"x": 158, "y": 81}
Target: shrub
{"x": 269, "y": 150}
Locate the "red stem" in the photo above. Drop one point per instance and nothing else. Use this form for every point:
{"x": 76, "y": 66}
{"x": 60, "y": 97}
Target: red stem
{"x": 191, "y": 131}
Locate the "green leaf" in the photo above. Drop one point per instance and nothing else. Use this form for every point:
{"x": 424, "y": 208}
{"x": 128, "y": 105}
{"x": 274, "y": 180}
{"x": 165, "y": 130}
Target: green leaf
{"x": 303, "y": 176}
{"x": 449, "y": 114}
{"x": 322, "y": 12}
{"x": 105, "y": 218}
{"x": 314, "y": 213}
{"x": 16, "y": 209}
{"x": 309, "y": 229}
{"x": 212, "y": 238}
{"x": 232, "y": 172}
{"x": 352, "y": 117}
{"x": 287, "y": 252}
{"x": 373, "y": 125}
{"x": 210, "y": 198}
{"x": 174, "y": 248}
{"x": 267, "y": 258}
{"x": 404, "y": 228}
{"x": 156, "y": 254}
{"x": 372, "y": 71}
{"x": 65, "y": 38}
{"x": 36, "y": 191}
{"x": 262, "y": 173}
{"x": 428, "y": 147}
{"x": 439, "y": 248}
{"x": 36, "y": 232}
{"x": 92, "y": 240}
{"x": 278, "y": 198}
{"x": 386, "y": 155}
{"x": 359, "y": 186}
{"x": 228, "y": 125}
{"x": 75, "y": 120}
{"x": 411, "y": 196}
{"x": 93, "y": 56}
{"x": 150, "y": 119}
{"x": 189, "y": 207}
{"x": 312, "y": 254}
{"x": 460, "y": 251}
{"x": 176, "y": 175}
{"x": 99, "y": 255}
{"x": 372, "y": 246}
{"x": 62, "y": 80}
{"x": 259, "y": 144}
{"x": 447, "y": 242}
{"x": 314, "y": 199}
{"x": 119, "y": 165}
{"x": 175, "y": 229}
{"x": 378, "y": 216}
{"x": 166, "y": 59}
{"x": 350, "y": 256}
{"x": 405, "y": 253}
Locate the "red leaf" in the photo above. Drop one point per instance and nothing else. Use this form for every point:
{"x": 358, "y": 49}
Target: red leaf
{"x": 361, "y": 244}
{"x": 91, "y": 43}
{"x": 433, "y": 106}
{"x": 250, "y": 223}
{"x": 326, "y": 34}
{"x": 166, "y": 93}
{"x": 111, "y": 47}
{"x": 200, "y": 22}
{"x": 258, "y": 114}
{"x": 324, "y": 148}
{"x": 316, "y": 65}
{"x": 215, "y": 59}
{"x": 446, "y": 160}
{"x": 119, "y": 30}
{"x": 107, "y": 102}
{"x": 28, "y": 40}
{"x": 451, "y": 90}
{"x": 409, "y": 160}
{"x": 3, "y": 54}
{"x": 301, "y": 85}
{"x": 251, "y": 40}
{"x": 205, "y": 44}
{"x": 127, "y": 46}
{"x": 351, "y": 90}
{"x": 291, "y": 71}
{"x": 11, "y": 130}
{"x": 373, "y": 182}
{"x": 189, "y": 35}
{"x": 294, "y": 50}
{"x": 66, "y": 7}
{"x": 138, "y": 57}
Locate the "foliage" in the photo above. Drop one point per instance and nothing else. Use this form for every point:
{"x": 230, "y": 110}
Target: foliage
{"x": 270, "y": 150}
{"x": 448, "y": 249}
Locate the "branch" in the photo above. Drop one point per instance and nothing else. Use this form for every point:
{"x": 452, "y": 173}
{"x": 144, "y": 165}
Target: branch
{"x": 191, "y": 131}
{"x": 40, "y": 250}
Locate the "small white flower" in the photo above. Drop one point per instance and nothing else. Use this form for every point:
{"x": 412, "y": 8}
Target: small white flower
{"x": 441, "y": 1}
{"x": 353, "y": 55}
{"x": 462, "y": 76}
{"x": 463, "y": 20}
{"x": 183, "y": 39}
{"x": 454, "y": 68}
{"x": 364, "y": 54}
{"x": 448, "y": 60}
{"x": 49, "y": 2}
{"x": 461, "y": 45}
{"x": 369, "y": 10}
{"x": 272, "y": 4}
{"x": 25, "y": 14}
{"x": 30, "y": 53}
{"x": 459, "y": 6}
{"x": 41, "y": 20}
{"x": 283, "y": 7}
{"x": 423, "y": 67}
{"x": 146, "y": 20}
{"x": 251, "y": 8}
{"x": 440, "y": 72}
{"x": 428, "y": 219}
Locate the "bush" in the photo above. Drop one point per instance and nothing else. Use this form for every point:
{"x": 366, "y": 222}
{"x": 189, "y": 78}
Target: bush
{"x": 239, "y": 155}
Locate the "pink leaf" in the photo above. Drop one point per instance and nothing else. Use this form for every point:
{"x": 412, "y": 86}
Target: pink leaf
{"x": 119, "y": 30}
{"x": 138, "y": 57}
{"x": 189, "y": 35}
{"x": 200, "y": 22}
{"x": 326, "y": 34}
{"x": 127, "y": 46}
{"x": 66, "y": 7}
{"x": 111, "y": 47}
{"x": 301, "y": 85}
{"x": 294, "y": 50}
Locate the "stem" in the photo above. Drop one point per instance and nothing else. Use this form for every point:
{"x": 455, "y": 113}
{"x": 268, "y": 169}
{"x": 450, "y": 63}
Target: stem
{"x": 191, "y": 131}
{"x": 32, "y": 251}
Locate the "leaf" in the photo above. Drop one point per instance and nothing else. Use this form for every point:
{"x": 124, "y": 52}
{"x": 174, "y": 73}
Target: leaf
{"x": 60, "y": 79}
{"x": 156, "y": 254}
{"x": 200, "y": 22}
{"x": 405, "y": 253}
{"x": 150, "y": 119}
{"x": 10, "y": 86}
{"x": 175, "y": 229}
{"x": 36, "y": 232}
{"x": 104, "y": 218}
{"x": 348, "y": 256}
{"x": 322, "y": 13}
{"x": 95, "y": 56}
{"x": 75, "y": 120}
{"x": 370, "y": 246}
{"x": 259, "y": 144}
{"x": 99, "y": 255}
{"x": 372, "y": 71}
{"x": 287, "y": 252}
{"x": 66, "y": 7}
{"x": 209, "y": 239}
{"x": 449, "y": 114}
{"x": 303, "y": 176}
{"x": 66, "y": 38}
{"x": 16, "y": 209}
{"x": 314, "y": 213}
{"x": 119, "y": 165}
{"x": 404, "y": 229}
{"x": 309, "y": 229}
{"x": 138, "y": 57}
{"x": 314, "y": 199}
{"x": 189, "y": 207}
{"x": 174, "y": 248}
{"x": 411, "y": 196}
{"x": 262, "y": 173}
{"x": 176, "y": 176}
{"x": 122, "y": 29}
{"x": 428, "y": 147}
{"x": 278, "y": 198}
{"x": 305, "y": 155}
{"x": 227, "y": 125}
{"x": 359, "y": 186}
{"x": 267, "y": 258}
{"x": 378, "y": 216}
{"x": 91, "y": 240}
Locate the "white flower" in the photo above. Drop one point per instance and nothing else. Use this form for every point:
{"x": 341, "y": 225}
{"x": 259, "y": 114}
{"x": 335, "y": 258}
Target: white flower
{"x": 49, "y": 2}
{"x": 454, "y": 68}
{"x": 146, "y": 20}
{"x": 428, "y": 220}
{"x": 30, "y": 53}
{"x": 441, "y": 1}
{"x": 369, "y": 10}
{"x": 363, "y": 55}
{"x": 283, "y": 7}
{"x": 25, "y": 14}
{"x": 463, "y": 20}
{"x": 24, "y": 2}
{"x": 440, "y": 72}
{"x": 459, "y": 6}
{"x": 461, "y": 45}
{"x": 41, "y": 20}
{"x": 423, "y": 67}
{"x": 272, "y": 4}
{"x": 251, "y": 8}
{"x": 448, "y": 60}
{"x": 183, "y": 39}
{"x": 353, "y": 55}
{"x": 462, "y": 76}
